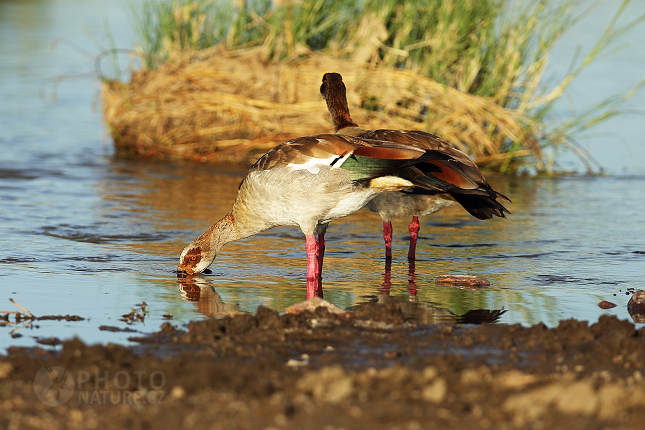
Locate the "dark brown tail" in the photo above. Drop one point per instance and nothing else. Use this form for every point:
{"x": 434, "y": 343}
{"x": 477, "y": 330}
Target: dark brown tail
{"x": 464, "y": 182}
{"x": 481, "y": 206}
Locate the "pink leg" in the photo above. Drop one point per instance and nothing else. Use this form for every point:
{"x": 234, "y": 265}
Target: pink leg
{"x": 414, "y": 233}
{"x": 319, "y": 259}
{"x": 387, "y": 276}
{"x": 412, "y": 285}
{"x": 387, "y": 237}
{"x": 314, "y": 288}
{"x": 320, "y": 254}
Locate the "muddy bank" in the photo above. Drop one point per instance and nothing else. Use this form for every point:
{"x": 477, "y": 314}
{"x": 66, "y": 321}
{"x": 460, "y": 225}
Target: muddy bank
{"x": 371, "y": 369}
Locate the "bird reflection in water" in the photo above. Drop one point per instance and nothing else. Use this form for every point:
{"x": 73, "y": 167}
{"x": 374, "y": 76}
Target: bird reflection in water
{"x": 387, "y": 279}
{"x": 427, "y": 312}
{"x": 208, "y": 301}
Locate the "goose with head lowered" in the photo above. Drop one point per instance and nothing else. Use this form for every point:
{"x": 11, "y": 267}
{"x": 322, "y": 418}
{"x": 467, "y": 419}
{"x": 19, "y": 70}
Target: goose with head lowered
{"x": 306, "y": 182}
{"x": 446, "y": 174}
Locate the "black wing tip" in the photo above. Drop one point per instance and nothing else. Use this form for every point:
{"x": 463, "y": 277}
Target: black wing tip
{"x": 482, "y": 207}
{"x": 503, "y": 197}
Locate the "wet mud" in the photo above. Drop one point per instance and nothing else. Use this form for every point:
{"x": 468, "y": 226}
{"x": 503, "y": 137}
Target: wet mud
{"x": 369, "y": 368}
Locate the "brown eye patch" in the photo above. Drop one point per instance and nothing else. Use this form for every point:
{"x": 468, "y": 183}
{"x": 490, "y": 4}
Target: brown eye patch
{"x": 193, "y": 257}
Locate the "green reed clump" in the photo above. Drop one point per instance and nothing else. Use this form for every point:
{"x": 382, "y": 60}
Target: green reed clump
{"x": 496, "y": 49}
{"x": 174, "y": 26}
{"x": 472, "y": 45}
{"x": 443, "y": 40}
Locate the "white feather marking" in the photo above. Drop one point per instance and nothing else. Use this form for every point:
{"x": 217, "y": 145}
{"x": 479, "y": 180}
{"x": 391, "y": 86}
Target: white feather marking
{"x": 340, "y": 162}
{"x": 313, "y": 164}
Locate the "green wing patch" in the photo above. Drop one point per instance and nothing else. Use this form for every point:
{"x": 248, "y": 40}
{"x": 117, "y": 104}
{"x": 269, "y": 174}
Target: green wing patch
{"x": 367, "y": 167}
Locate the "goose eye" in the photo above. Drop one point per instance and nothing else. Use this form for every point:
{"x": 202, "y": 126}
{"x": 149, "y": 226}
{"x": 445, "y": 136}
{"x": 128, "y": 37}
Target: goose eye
{"x": 193, "y": 257}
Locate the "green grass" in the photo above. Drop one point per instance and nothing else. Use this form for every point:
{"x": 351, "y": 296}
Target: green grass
{"x": 496, "y": 49}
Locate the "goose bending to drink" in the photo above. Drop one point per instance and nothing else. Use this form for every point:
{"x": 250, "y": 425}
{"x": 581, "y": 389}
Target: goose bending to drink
{"x": 306, "y": 182}
{"x": 447, "y": 174}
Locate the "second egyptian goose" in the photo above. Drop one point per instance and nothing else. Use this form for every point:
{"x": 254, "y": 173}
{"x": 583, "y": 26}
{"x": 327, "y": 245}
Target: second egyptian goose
{"x": 306, "y": 182}
{"x": 448, "y": 174}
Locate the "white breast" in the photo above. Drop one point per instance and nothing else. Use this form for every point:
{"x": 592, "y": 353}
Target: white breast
{"x": 296, "y": 196}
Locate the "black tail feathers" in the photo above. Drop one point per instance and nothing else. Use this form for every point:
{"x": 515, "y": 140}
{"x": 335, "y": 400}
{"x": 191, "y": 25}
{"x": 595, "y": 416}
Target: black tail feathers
{"x": 482, "y": 206}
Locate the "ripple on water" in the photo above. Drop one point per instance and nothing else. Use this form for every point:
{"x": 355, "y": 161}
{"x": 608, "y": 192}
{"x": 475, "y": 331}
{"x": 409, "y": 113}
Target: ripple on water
{"x": 102, "y": 269}
{"x": 462, "y": 245}
{"x": 564, "y": 279}
{"x": 12, "y": 260}
{"x": 92, "y": 234}
{"x": 536, "y": 255}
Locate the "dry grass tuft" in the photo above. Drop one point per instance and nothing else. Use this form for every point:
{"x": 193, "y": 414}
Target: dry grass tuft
{"x": 232, "y": 106}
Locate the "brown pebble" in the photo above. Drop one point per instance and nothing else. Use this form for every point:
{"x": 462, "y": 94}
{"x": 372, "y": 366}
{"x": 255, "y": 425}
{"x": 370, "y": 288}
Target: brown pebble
{"x": 463, "y": 281}
{"x": 606, "y": 305}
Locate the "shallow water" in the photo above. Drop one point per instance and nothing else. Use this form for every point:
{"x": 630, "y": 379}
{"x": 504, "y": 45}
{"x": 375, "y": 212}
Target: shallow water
{"x": 84, "y": 234}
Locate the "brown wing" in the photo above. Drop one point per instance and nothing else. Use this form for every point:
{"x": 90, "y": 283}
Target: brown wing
{"x": 328, "y": 148}
{"x": 419, "y": 139}
{"x": 442, "y": 169}
{"x": 408, "y": 137}
{"x": 445, "y": 169}
{"x": 303, "y": 149}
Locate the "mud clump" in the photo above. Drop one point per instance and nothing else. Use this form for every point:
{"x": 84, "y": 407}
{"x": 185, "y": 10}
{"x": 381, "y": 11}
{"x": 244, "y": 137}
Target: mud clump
{"x": 636, "y": 306}
{"x": 371, "y": 369}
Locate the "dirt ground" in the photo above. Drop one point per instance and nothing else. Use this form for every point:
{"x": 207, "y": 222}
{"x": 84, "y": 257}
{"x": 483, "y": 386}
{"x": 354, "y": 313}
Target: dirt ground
{"x": 371, "y": 369}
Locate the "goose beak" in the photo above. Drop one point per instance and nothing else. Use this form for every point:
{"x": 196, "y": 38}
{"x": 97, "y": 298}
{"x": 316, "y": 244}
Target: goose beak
{"x": 185, "y": 271}
{"x": 181, "y": 269}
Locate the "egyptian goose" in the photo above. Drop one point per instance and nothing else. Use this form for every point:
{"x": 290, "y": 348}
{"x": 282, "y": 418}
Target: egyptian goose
{"x": 448, "y": 173}
{"x": 306, "y": 182}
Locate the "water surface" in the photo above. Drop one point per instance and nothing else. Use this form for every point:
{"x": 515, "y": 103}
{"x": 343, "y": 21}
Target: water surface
{"x": 84, "y": 234}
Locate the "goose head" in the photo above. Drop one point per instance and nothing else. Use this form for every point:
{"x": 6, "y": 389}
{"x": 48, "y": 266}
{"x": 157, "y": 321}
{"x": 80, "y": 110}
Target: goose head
{"x": 201, "y": 252}
{"x": 196, "y": 257}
